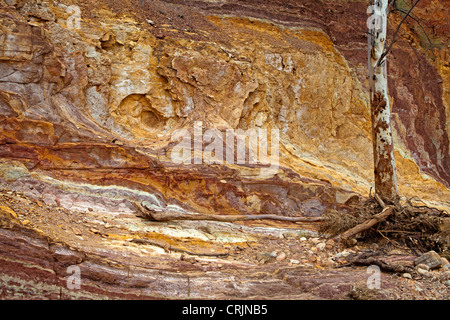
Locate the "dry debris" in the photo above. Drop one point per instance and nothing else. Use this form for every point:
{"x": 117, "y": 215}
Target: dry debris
{"x": 419, "y": 228}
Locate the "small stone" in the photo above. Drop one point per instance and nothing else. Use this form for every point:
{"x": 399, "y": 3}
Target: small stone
{"x": 26, "y": 222}
{"x": 444, "y": 261}
{"x": 303, "y": 239}
{"x": 264, "y": 257}
{"x": 321, "y": 246}
{"x": 422, "y": 271}
{"x": 423, "y": 267}
{"x": 342, "y": 254}
{"x": 407, "y": 276}
{"x": 447, "y": 283}
{"x": 281, "y": 256}
{"x": 313, "y": 259}
{"x": 273, "y": 254}
{"x": 293, "y": 261}
{"x": 315, "y": 240}
{"x": 151, "y": 22}
{"x": 431, "y": 259}
{"x": 446, "y": 267}
{"x": 330, "y": 244}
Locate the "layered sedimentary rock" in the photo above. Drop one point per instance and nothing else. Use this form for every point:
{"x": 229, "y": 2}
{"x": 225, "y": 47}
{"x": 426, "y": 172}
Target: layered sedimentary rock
{"x": 91, "y": 94}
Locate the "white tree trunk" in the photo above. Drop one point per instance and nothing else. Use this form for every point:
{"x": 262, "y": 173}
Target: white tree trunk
{"x": 383, "y": 149}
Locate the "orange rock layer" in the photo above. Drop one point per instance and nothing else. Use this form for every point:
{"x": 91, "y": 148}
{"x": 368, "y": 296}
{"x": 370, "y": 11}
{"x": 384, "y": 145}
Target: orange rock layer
{"x": 89, "y": 104}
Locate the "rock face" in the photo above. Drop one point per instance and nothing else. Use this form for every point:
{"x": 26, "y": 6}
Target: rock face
{"x": 93, "y": 92}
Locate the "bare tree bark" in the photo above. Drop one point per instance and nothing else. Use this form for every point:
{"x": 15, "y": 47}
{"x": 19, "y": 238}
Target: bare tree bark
{"x": 383, "y": 215}
{"x": 383, "y": 148}
{"x": 171, "y": 216}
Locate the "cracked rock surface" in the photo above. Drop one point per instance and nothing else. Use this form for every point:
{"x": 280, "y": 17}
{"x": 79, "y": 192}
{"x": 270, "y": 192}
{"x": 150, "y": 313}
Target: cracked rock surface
{"x": 87, "y": 116}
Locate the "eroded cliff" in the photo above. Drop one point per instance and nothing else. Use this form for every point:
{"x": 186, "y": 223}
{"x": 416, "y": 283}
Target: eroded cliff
{"x": 91, "y": 93}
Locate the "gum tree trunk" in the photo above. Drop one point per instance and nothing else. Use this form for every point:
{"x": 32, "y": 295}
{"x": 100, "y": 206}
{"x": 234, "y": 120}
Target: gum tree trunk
{"x": 383, "y": 149}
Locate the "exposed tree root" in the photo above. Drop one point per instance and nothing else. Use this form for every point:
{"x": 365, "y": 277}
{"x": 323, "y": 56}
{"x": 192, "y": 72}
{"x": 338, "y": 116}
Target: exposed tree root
{"x": 383, "y": 215}
{"x": 170, "y": 216}
{"x": 419, "y": 228}
{"x": 374, "y": 258}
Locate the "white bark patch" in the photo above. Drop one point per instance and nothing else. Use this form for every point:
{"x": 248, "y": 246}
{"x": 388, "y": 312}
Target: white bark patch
{"x": 384, "y": 161}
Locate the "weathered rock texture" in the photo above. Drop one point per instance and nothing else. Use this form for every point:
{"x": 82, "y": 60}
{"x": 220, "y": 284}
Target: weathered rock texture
{"x": 87, "y": 115}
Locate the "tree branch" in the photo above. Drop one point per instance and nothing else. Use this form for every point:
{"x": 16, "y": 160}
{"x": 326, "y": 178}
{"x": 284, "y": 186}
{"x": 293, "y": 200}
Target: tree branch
{"x": 383, "y": 215}
{"x": 170, "y": 216}
{"x": 418, "y": 22}
{"x": 160, "y": 215}
{"x": 386, "y": 51}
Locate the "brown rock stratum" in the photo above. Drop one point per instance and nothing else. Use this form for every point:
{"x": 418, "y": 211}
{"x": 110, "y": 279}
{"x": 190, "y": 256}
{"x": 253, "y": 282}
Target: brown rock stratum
{"x": 87, "y": 114}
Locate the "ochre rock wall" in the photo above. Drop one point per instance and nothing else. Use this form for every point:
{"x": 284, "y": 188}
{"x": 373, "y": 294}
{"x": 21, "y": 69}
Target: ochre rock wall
{"x": 96, "y": 106}
{"x": 88, "y": 110}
